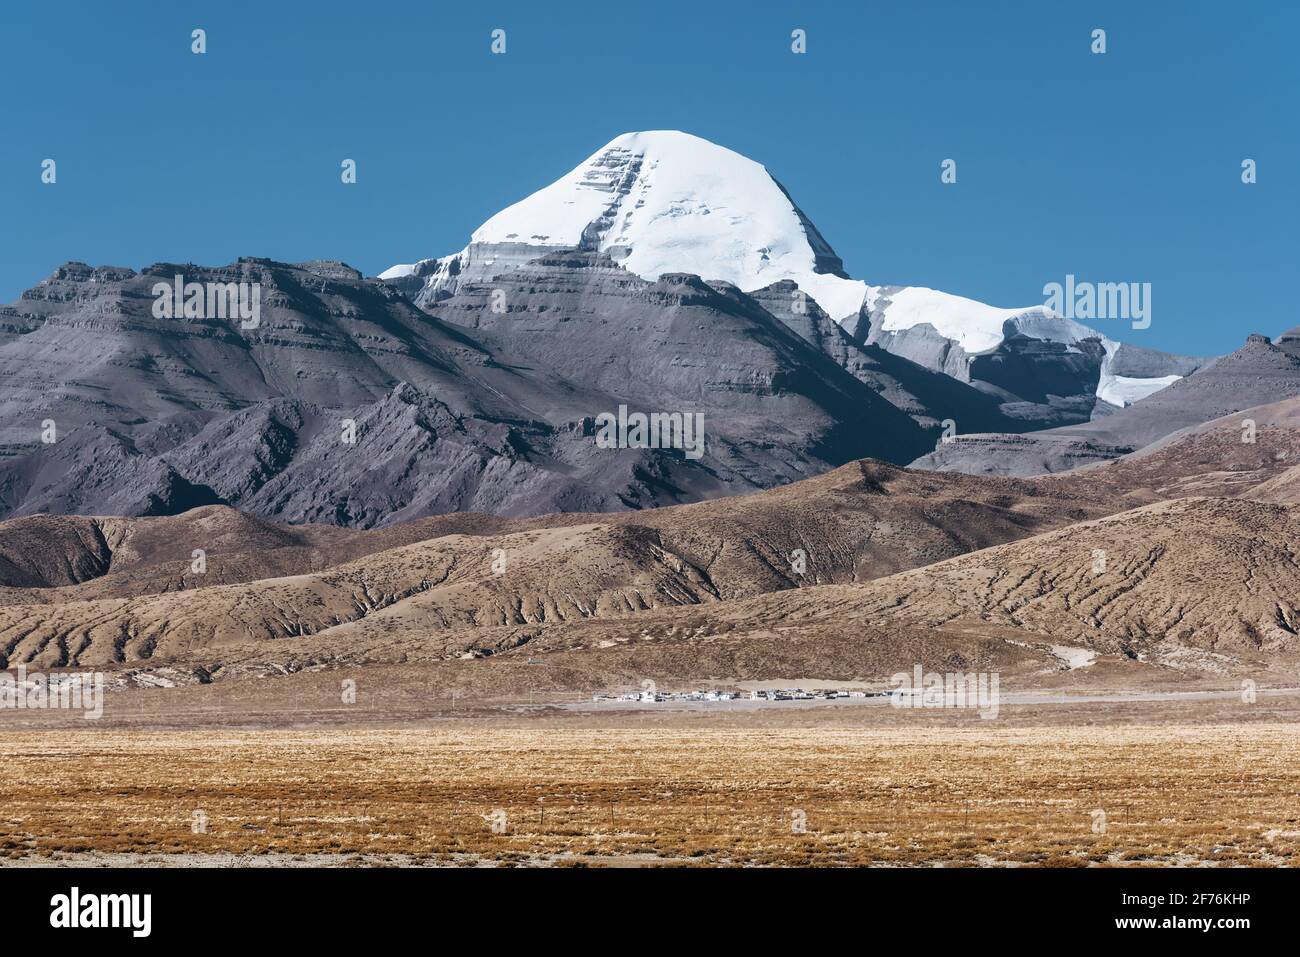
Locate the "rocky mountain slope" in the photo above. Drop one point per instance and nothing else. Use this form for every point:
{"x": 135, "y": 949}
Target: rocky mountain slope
{"x": 495, "y": 412}
{"x": 1258, "y": 373}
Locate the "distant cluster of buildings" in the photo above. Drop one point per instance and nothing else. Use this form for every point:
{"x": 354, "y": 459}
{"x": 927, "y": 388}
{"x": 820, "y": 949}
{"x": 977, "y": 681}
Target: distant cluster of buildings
{"x": 775, "y": 694}
{"x": 652, "y": 696}
{"x": 799, "y": 694}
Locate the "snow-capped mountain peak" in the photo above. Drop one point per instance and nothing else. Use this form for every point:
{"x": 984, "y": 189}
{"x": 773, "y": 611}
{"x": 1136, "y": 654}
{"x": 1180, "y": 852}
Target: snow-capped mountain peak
{"x": 666, "y": 201}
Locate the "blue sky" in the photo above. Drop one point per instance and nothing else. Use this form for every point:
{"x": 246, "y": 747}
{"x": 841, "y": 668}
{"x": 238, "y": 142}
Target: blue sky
{"x": 1116, "y": 168}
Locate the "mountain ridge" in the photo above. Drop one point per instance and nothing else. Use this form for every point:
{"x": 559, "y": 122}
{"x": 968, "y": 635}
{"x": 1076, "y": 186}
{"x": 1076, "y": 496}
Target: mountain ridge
{"x": 495, "y": 412}
{"x": 666, "y": 201}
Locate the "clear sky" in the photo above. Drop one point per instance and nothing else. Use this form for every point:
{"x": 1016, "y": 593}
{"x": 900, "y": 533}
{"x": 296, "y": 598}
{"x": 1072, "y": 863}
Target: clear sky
{"x": 1122, "y": 167}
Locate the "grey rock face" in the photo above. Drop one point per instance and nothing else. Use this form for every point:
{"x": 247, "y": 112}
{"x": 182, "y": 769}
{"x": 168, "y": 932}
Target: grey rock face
{"x": 1009, "y": 454}
{"x": 1142, "y": 363}
{"x": 437, "y": 279}
{"x": 921, "y": 344}
{"x": 680, "y": 344}
{"x": 487, "y": 400}
{"x": 94, "y": 353}
{"x": 927, "y": 396}
{"x": 464, "y": 409}
{"x": 1259, "y": 372}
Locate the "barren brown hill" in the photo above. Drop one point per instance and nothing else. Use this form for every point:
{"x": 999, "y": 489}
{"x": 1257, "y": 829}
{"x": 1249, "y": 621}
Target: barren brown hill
{"x": 1191, "y": 587}
{"x": 1245, "y": 453}
{"x": 810, "y": 568}
{"x": 48, "y": 558}
{"x": 455, "y": 572}
{"x": 51, "y": 550}
{"x": 1214, "y": 575}
{"x": 1205, "y": 585}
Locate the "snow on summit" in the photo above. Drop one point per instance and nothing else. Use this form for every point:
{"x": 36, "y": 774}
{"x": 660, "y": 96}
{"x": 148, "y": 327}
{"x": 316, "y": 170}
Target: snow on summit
{"x": 666, "y": 201}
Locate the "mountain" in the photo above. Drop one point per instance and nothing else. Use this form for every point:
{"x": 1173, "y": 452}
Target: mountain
{"x": 666, "y": 202}
{"x": 154, "y": 415}
{"x": 1132, "y": 584}
{"x": 676, "y": 343}
{"x": 492, "y": 412}
{"x": 929, "y": 396}
{"x": 1258, "y": 373}
{"x": 665, "y": 278}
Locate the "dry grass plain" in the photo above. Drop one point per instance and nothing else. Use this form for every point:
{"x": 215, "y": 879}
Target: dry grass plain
{"x": 680, "y": 792}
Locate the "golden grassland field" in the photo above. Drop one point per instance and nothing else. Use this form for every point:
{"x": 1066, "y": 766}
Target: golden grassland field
{"x": 470, "y": 793}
